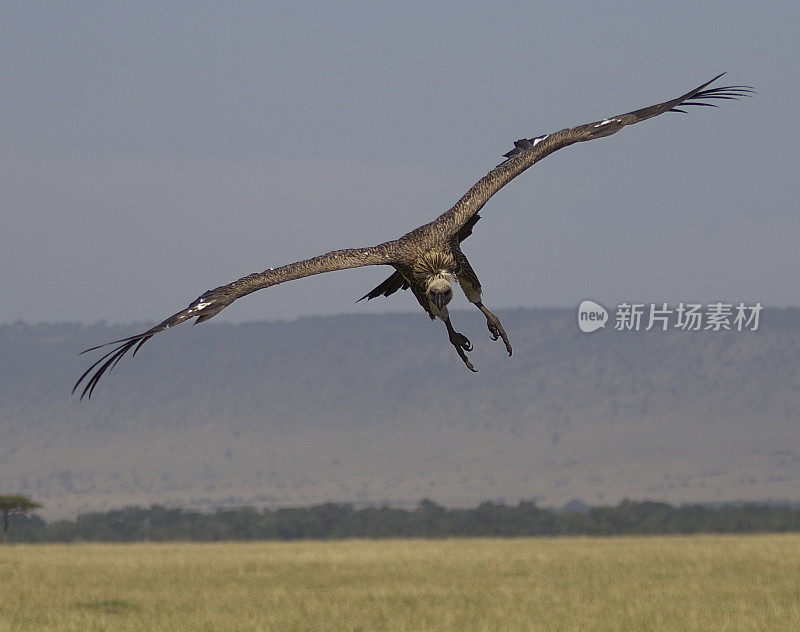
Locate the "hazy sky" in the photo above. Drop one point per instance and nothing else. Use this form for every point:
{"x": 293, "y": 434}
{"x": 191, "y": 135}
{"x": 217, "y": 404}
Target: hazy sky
{"x": 152, "y": 152}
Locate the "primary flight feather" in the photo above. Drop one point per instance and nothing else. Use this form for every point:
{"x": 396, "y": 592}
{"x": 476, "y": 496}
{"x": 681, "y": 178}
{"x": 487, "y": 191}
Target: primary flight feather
{"x": 428, "y": 260}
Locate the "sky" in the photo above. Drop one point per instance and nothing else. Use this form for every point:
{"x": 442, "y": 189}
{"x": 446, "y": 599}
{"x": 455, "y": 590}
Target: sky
{"x": 153, "y": 151}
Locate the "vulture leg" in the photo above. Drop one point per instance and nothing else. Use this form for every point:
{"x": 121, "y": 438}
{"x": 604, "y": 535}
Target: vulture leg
{"x": 460, "y": 342}
{"x": 495, "y": 328}
{"x": 472, "y": 289}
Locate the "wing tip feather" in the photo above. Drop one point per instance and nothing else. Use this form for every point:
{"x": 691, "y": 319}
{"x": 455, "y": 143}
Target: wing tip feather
{"x": 107, "y": 362}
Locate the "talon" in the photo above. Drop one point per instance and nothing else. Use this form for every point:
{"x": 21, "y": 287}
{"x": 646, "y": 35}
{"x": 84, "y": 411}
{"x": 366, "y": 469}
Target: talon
{"x": 461, "y": 343}
{"x": 497, "y": 331}
{"x": 463, "y": 356}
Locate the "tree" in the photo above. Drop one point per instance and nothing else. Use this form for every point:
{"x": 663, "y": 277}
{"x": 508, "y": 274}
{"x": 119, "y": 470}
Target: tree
{"x": 14, "y": 505}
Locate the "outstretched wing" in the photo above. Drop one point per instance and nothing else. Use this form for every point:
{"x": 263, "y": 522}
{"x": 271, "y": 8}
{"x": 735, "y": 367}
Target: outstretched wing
{"x": 529, "y": 151}
{"x": 214, "y": 301}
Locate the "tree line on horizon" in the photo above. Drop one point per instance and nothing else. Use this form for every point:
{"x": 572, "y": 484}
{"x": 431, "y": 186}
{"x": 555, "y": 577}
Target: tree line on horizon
{"x": 427, "y": 519}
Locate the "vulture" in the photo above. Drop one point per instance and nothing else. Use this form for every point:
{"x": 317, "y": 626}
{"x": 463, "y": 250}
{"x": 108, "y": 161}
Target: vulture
{"x": 428, "y": 260}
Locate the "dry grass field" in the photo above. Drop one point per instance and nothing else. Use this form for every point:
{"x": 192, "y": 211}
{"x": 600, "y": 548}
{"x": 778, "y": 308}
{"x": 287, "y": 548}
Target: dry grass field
{"x": 714, "y": 583}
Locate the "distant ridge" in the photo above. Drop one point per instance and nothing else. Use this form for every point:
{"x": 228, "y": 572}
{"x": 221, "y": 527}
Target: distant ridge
{"x": 347, "y": 409}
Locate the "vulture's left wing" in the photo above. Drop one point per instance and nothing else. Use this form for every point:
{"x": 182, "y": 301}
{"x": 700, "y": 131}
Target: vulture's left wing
{"x": 529, "y": 151}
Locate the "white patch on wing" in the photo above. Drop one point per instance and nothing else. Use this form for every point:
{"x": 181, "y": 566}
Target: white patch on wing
{"x": 539, "y": 139}
{"x": 199, "y": 305}
{"x": 605, "y": 122}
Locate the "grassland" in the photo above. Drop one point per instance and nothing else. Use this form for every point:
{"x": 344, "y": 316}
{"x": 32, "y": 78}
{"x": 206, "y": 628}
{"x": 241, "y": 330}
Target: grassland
{"x": 714, "y": 583}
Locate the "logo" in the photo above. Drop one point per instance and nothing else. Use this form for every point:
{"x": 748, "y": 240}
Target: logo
{"x": 661, "y": 316}
{"x": 591, "y": 316}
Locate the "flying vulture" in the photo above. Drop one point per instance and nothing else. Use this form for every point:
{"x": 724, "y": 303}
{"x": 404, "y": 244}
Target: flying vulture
{"x": 428, "y": 260}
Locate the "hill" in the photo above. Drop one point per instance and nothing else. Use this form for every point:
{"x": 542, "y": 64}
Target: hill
{"x": 374, "y": 409}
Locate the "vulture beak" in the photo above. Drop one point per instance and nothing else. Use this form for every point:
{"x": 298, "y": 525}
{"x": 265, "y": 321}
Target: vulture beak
{"x": 439, "y": 300}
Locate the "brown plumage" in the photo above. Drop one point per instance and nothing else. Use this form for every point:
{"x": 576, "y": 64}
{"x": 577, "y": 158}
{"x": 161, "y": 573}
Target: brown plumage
{"x": 428, "y": 260}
